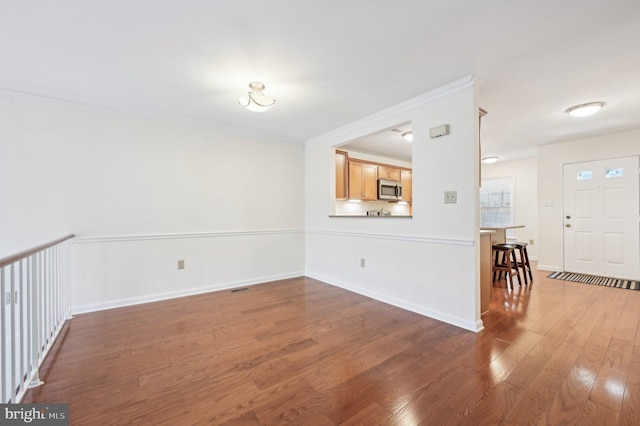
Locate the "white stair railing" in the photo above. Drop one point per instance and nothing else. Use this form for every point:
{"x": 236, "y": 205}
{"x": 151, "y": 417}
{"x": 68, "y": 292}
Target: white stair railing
{"x": 35, "y": 300}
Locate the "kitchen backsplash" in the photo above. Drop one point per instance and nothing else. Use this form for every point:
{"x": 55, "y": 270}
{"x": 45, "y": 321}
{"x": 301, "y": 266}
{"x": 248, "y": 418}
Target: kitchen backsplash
{"x": 350, "y": 208}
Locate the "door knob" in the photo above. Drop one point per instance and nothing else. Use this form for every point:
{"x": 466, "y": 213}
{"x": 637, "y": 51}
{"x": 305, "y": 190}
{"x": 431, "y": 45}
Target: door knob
{"x": 568, "y": 225}
{"x": 568, "y": 217}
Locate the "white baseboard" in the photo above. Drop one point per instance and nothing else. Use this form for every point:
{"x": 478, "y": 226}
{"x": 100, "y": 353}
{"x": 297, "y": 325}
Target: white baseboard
{"x": 440, "y": 316}
{"x": 550, "y": 268}
{"x": 182, "y": 293}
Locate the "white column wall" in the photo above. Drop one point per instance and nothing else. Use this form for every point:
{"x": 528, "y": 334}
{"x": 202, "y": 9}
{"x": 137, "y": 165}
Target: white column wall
{"x": 427, "y": 263}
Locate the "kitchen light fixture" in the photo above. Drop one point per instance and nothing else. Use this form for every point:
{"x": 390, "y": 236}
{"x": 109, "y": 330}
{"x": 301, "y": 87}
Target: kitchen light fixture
{"x": 408, "y": 136}
{"x": 255, "y": 100}
{"x": 489, "y": 160}
{"x": 584, "y": 110}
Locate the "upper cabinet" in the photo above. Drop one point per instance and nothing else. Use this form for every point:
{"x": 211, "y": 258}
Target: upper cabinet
{"x": 389, "y": 173}
{"x": 407, "y": 188}
{"x": 363, "y": 181}
{"x": 362, "y": 178}
{"x": 341, "y": 175}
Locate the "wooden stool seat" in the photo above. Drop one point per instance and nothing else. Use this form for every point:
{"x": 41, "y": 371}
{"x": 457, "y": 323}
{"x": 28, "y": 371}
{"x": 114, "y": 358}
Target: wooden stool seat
{"x": 508, "y": 264}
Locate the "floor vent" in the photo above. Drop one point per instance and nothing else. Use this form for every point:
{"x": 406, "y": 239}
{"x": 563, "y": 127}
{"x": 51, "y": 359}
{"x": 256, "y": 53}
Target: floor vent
{"x": 235, "y": 290}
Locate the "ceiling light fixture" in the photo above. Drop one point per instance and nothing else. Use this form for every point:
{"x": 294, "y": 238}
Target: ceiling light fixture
{"x": 584, "y": 110}
{"x": 255, "y": 100}
{"x": 408, "y": 136}
{"x": 489, "y": 160}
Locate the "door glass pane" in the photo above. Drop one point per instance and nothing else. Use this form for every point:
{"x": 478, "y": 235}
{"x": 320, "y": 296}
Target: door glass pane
{"x": 614, "y": 173}
{"x": 585, "y": 175}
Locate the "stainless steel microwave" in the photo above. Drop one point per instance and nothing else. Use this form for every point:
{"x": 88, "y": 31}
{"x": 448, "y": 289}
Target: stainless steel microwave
{"x": 389, "y": 190}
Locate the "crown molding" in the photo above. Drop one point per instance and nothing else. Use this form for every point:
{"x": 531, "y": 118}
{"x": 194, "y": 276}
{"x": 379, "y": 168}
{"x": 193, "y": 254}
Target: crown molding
{"x": 447, "y": 90}
{"x": 130, "y": 111}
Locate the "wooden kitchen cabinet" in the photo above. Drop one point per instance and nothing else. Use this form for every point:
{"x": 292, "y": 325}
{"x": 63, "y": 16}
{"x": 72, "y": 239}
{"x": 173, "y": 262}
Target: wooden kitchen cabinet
{"x": 389, "y": 173}
{"x": 486, "y": 281}
{"x": 341, "y": 175}
{"x": 363, "y": 181}
{"x": 406, "y": 177}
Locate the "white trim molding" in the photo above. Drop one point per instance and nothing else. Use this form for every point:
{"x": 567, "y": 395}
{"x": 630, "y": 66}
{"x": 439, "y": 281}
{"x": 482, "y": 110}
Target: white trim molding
{"x": 449, "y": 89}
{"x": 182, "y": 293}
{"x": 476, "y": 326}
{"x": 127, "y": 110}
{"x": 395, "y": 237}
{"x": 550, "y": 268}
{"x": 150, "y": 237}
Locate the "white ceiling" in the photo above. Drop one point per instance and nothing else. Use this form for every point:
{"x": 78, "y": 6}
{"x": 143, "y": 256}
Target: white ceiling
{"x": 331, "y": 62}
{"x": 388, "y": 143}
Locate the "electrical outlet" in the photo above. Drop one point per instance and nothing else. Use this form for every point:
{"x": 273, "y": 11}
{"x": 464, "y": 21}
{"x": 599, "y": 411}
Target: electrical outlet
{"x": 531, "y": 242}
{"x": 450, "y": 197}
{"x": 362, "y": 262}
{"x": 180, "y": 264}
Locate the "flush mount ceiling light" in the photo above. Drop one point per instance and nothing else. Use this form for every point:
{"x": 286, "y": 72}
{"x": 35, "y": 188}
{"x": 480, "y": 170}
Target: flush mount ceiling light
{"x": 584, "y": 110}
{"x": 255, "y": 100}
{"x": 408, "y": 136}
{"x": 489, "y": 160}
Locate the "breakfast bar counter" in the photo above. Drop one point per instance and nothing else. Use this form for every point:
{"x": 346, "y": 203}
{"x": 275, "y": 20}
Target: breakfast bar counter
{"x": 500, "y": 236}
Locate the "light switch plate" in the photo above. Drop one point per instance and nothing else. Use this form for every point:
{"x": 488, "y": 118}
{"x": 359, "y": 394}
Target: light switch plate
{"x": 450, "y": 197}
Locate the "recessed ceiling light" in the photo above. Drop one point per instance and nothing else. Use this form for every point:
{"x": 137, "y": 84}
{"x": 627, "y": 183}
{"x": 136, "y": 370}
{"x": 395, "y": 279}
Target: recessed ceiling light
{"x": 584, "y": 110}
{"x": 408, "y": 136}
{"x": 489, "y": 160}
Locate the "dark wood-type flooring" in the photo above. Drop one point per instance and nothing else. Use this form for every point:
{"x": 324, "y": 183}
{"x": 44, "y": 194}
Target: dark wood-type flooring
{"x": 301, "y": 352}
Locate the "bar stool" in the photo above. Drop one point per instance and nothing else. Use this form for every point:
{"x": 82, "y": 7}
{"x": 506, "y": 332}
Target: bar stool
{"x": 523, "y": 263}
{"x": 508, "y": 264}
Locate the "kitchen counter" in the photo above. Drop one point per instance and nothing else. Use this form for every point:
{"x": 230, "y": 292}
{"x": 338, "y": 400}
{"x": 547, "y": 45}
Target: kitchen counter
{"x": 373, "y": 217}
{"x": 500, "y": 236}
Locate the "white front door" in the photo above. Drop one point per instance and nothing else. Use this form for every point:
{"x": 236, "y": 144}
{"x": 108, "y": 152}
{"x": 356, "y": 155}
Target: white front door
{"x": 602, "y": 218}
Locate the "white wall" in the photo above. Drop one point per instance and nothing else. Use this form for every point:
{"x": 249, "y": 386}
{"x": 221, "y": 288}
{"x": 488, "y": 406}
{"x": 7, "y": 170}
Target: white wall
{"x": 525, "y": 198}
{"x": 141, "y": 194}
{"x": 428, "y": 263}
{"x": 551, "y": 159}
{"x": 34, "y": 206}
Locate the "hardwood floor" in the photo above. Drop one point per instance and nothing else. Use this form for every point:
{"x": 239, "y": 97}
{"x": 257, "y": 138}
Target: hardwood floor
{"x": 301, "y": 352}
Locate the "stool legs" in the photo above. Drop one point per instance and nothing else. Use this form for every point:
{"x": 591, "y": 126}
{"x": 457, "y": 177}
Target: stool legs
{"x": 526, "y": 261}
{"x": 508, "y": 264}
{"x": 517, "y": 269}
{"x": 522, "y": 264}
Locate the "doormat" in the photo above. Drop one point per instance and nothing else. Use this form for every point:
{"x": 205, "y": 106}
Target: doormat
{"x": 593, "y": 279}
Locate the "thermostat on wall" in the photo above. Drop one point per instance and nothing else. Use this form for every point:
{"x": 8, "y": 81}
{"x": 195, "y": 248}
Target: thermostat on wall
{"x": 436, "y": 132}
